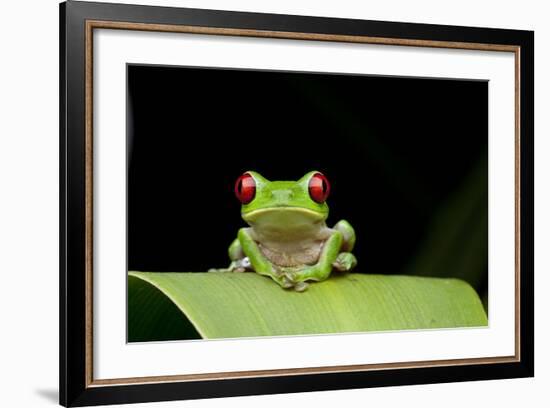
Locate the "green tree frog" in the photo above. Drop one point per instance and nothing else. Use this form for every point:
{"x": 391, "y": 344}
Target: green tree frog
{"x": 287, "y": 238}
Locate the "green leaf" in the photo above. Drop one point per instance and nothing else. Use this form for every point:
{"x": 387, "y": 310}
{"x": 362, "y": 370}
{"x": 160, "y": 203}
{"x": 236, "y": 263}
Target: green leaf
{"x": 152, "y": 316}
{"x": 226, "y": 305}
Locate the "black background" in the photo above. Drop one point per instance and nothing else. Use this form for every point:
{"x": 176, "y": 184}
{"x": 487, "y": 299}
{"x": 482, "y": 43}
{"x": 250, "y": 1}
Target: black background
{"x": 406, "y": 158}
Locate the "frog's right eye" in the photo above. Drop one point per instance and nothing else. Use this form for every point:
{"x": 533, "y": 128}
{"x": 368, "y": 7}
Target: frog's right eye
{"x": 319, "y": 188}
{"x": 245, "y": 188}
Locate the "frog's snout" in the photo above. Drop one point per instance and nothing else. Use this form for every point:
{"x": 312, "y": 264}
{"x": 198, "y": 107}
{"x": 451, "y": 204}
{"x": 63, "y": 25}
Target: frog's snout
{"x": 282, "y": 196}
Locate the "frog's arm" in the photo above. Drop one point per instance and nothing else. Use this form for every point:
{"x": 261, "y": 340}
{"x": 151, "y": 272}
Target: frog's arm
{"x": 348, "y": 234}
{"x": 235, "y": 250}
{"x": 259, "y": 262}
{"x": 236, "y": 256}
{"x": 345, "y": 261}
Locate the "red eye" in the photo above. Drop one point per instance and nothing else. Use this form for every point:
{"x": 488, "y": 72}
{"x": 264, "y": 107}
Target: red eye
{"x": 319, "y": 188}
{"x": 245, "y": 188}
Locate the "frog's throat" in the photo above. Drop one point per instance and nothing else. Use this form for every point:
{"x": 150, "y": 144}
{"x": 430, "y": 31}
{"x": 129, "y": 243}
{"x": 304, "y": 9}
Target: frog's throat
{"x": 305, "y": 213}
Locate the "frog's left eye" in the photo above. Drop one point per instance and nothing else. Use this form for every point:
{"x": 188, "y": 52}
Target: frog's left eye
{"x": 245, "y": 188}
{"x": 319, "y": 188}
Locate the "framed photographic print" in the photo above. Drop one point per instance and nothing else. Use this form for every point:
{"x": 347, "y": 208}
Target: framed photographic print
{"x": 256, "y": 203}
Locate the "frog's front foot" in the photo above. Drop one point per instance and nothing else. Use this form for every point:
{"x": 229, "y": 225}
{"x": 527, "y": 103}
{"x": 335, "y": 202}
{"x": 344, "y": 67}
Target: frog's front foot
{"x": 291, "y": 283}
{"x": 345, "y": 262}
{"x": 282, "y": 277}
{"x": 295, "y": 279}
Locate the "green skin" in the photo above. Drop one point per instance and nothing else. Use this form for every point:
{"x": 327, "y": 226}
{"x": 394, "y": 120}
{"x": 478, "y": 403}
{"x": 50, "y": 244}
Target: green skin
{"x": 288, "y": 239}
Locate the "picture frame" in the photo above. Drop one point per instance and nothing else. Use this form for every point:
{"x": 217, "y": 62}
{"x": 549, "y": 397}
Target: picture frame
{"x": 79, "y": 342}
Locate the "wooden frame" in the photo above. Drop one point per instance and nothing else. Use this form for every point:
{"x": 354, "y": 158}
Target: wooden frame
{"x": 77, "y": 22}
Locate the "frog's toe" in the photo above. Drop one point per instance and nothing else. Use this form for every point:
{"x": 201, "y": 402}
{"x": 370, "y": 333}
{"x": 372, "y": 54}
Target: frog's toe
{"x": 286, "y": 283}
{"x": 345, "y": 261}
{"x": 283, "y": 278}
{"x": 245, "y": 263}
{"x": 301, "y": 286}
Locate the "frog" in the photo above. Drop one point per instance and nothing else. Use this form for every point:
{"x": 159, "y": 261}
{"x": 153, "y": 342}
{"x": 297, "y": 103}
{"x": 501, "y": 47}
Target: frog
{"x": 287, "y": 238}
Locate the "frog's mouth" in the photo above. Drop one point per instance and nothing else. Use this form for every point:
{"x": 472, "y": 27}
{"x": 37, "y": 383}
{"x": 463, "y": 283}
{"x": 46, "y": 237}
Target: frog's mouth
{"x": 284, "y": 216}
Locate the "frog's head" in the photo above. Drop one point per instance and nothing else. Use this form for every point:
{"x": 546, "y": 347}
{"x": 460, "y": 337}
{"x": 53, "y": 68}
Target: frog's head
{"x": 287, "y": 204}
